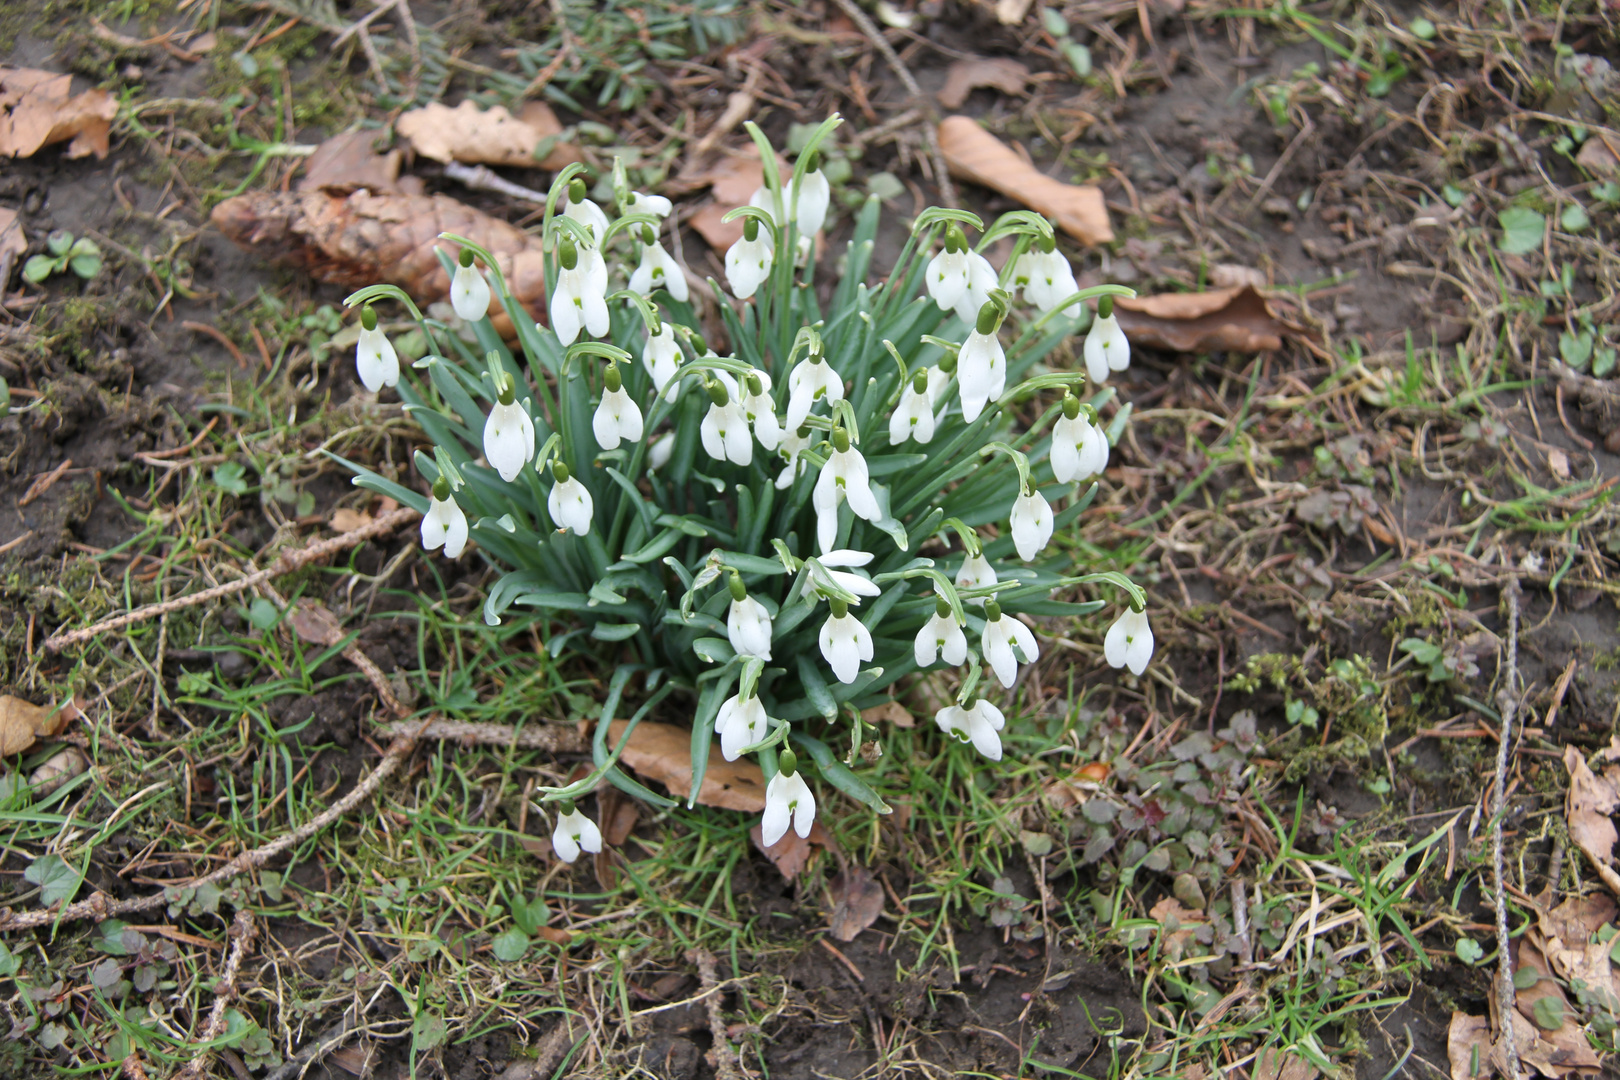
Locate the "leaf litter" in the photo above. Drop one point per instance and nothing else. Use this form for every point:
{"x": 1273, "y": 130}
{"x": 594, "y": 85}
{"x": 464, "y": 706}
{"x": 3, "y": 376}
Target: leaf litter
{"x": 38, "y": 108}
{"x": 972, "y": 153}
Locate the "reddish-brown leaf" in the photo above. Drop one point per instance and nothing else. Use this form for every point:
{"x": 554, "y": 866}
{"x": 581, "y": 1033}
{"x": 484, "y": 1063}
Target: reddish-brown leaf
{"x": 792, "y": 853}
{"x": 857, "y": 902}
{"x": 1591, "y": 800}
{"x": 494, "y": 136}
{"x": 972, "y": 153}
{"x": 965, "y": 76}
{"x": 663, "y": 752}
{"x": 1234, "y": 319}
{"x": 38, "y": 108}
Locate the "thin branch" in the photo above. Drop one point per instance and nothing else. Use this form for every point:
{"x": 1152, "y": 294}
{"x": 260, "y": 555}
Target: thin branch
{"x": 1507, "y": 701}
{"x": 243, "y": 931}
{"x": 286, "y": 564}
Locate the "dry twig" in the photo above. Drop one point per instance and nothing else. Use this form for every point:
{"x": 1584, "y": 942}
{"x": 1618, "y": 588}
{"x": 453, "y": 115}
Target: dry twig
{"x": 243, "y": 931}
{"x": 558, "y": 740}
{"x": 1507, "y": 699}
{"x": 727, "y": 1065}
{"x": 286, "y": 564}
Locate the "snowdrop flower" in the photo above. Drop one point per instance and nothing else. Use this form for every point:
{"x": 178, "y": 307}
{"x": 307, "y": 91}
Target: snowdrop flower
{"x": 1031, "y": 524}
{"x": 941, "y": 636}
{"x": 1129, "y": 642}
{"x": 445, "y": 524}
{"x": 574, "y": 833}
{"x": 469, "y": 290}
{"x": 981, "y": 365}
{"x": 938, "y": 378}
{"x": 787, "y": 797}
{"x": 663, "y": 359}
{"x": 845, "y": 642}
{"x": 580, "y": 299}
{"x": 981, "y": 278}
{"x": 1079, "y": 444}
{"x": 374, "y": 356}
{"x": 976, "y": 573}
{"x": 792, "y": 445}
{"x": 760, "y": 409}
{"x": 617, "y": 417}
{"x": 725, "y": 426}
{"x": 578, "y": 208}
{"x": 1046, "y": 277}
{"x": 748, "y": 261}
{"x": 657, "y": 270}
{"x": 1001, "y": 633}
{"x": 740, "y": 724}
{"x": 810, "y": 379}
{"x": 855, "y": 583}
{"x": 814, "y": 196}
{"x": 1106, "y": 347}
{"x": 914, "y": 417}
{"x": 660, "y": 450}
{"x": 845, "y": 473}
{"x": 949, "y": 276}
{"x": 656, "y": 205}
{"x": 748, "y": 624}
{"x": 977, "y": 724}
{"x": 508, "y": 434}
{"x": 569, "y": 503}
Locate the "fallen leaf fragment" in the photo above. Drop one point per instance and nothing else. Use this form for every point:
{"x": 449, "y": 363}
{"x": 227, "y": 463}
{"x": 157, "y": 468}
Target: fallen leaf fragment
{"x": 1276, "y": 1064}
{"x": 972, "y": 153}
{"x": 1591, "y": 801}
{"x": 857, "y": 902}
{"x": 358, "y": 238}
{"x": 791, "y": 853}
{"x": 1598, "y": 157}
{"x": 663, "y": 752}
{"x": 12, "y": 240}
{"x": 1235, "y": 319}
{"x": 889, "y": 712}
{"x": 350, "y": 160}
{"x": 22, "y": 722}
{"x": 315, "y": 623}
{"x": 494, "y": 136}
{"x": 57, "y": 770}
{"x": 1552, "y": 1056}
{"x": 1468, "y": 1046}
{"x": 38, "y": 108}
{"x": 965, "y": 76}
{"x": 346, "y": 520}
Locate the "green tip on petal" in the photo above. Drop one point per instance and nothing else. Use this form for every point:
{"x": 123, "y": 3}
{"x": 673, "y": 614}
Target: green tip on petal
{"x": 368, "y": 318}
{"x": 1071, "y": 406}
{"x": 755, "y": 386}
{"x": 751, "y": 229}
{"x": 739, "y": 591}
{"x": 942, "y": 607}
{"x": 566, "y": 807}
{"x": 992, "y": 611}
{"x": 576, "y": 190}
{"x": 989, "y": 317}
{"x": 559, "y": 471}
{"x": 568, "y": 254}
{"x": 955, "y": 239}
{"x": 466, "y": 257}
{"x": 787, "y": 763}
{"x": 441, "y": 489}
{"x": 1105, "y": 307}
{"x": 612, "y": 379}
{"x": 919, "y": 381}
{"x": 718, "y": 393}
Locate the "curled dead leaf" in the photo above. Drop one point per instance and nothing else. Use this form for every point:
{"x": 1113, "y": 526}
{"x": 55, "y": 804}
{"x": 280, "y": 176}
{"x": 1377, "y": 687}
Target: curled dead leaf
{"x": 57, "y": 770}
{"x": 965, "y": 76}
{"x": 22, "y": 722}
{"x": 350, "y": 160}
{"x": 791, "y": 853}
{"x": 972, "y": 153}
{"x": 1598, "y": 157}
{"x": 857, "y": 902}
{"x": 889, "y": 712}
{"x": 347, "y": 520}
{"x": 38, "y": 108}
{"x": 663, "y": 752}
{"x": 361, "y": 238}
{"x": 315, "y": 623}
{"x": 1276, "y": 1064}
{"x": 1468, "y": 1046}
{"x": 1235, "y": 319}
{"x": 1591, "y": 800}
{"x": 494, "y": 136}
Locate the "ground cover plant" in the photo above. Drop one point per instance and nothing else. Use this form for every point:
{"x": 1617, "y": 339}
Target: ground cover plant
{"x": 305, "y": 778}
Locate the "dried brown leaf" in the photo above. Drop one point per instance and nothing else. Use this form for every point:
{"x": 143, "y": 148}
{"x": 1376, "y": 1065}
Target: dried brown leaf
{"x": 22, "y": 722}
{"x": 476, "y": 136}
{"x": 1468, "y": 1044}
{"x": 719, "y": 233}
{"x": 1591, "y": 801}
{"x": 791, "y": 853}
{"x": 347, "y": 520}
{"x": 57, "y": 770}
{"x": 1276, "y": 1064}
{"x": 663, "y": 752}
{"x": 857, "y": 902}
{"x": 351, "y": 160}
{"x": 965, "y": 76}
{"x": 1562, "y": 1053}
{"x": 38, "y": 108}
{"x": 12, "y": 240}
{"x": 972, "y": 153}
{"x": 315, "y": 623}
{"x": 889, "y": 712}
{"x": 1235, "y": 319}
{"x": 1597, "y": 156}
{"x": 355, "y": 1060}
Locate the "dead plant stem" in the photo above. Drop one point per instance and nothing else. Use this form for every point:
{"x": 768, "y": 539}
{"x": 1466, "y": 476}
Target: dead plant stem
{"x": 243, "y": 931}
{"x": 1507, "y": 699}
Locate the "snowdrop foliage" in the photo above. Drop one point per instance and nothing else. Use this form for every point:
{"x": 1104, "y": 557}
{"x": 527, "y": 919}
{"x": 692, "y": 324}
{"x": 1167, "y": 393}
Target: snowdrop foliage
{"x": 859, "y": 477}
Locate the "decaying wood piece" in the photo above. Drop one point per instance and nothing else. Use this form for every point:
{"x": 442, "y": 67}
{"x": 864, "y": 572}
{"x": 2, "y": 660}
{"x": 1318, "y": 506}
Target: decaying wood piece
{"x": 355, "y": 238}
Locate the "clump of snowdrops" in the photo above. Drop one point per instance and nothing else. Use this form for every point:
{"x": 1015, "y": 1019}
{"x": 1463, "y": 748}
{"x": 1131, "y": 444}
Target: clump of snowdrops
{"x": 746, "y": 528}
